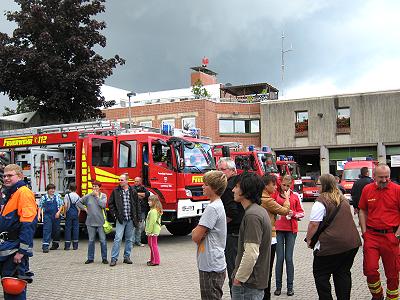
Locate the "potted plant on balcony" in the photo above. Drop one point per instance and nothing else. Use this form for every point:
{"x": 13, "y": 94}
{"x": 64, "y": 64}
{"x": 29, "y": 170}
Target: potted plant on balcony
{"x": 343, "y": 125}
{"x": 301, "y": 128}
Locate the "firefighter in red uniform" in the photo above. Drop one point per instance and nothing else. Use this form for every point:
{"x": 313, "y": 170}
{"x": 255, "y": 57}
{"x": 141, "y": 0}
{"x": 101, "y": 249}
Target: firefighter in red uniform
{"x": 18, "y": 221}
{"x": 379, "y": 220}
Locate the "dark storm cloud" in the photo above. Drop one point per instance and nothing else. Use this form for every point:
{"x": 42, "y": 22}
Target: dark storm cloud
{"x": 336, "y": 44}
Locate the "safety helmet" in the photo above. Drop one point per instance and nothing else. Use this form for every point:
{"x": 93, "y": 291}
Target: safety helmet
{"x": 13, "y": 286}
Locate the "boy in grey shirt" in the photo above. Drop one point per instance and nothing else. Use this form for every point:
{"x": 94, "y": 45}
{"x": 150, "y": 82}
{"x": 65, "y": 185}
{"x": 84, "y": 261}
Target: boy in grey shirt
{"x": 210, "y": 237}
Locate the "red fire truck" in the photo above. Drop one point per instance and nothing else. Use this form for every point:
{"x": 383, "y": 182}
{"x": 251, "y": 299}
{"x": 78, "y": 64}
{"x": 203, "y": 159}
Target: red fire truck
{"x": 351, "y": 173}
{"x": 101, "y": 151}
{"x": 287, "y": 166}
{"x": 253, "y": 160}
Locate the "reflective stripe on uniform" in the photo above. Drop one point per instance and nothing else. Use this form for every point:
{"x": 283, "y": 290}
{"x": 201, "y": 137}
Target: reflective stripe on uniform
{"x": 23, "y": 246}
{"x": 394, "y": 292}
{"x": 374, "y": 285}
{"x": 8, "y": 252}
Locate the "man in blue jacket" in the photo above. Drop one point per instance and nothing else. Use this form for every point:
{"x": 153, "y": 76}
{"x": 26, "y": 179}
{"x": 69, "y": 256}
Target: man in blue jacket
{"x": 18, "y": 221}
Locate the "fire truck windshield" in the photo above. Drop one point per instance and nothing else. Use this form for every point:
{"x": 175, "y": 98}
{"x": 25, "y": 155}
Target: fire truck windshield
{"x": 353, "y": 174}
{"x": 198, "y": 158}
{"x": 294, "y": 170}
{"x": 267, "y": 162}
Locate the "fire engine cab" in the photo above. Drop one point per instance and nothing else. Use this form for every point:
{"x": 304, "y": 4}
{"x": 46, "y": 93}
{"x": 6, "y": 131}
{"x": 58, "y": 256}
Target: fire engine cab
{"x": 253, "y": 160}
{"x": 171, "y": 166}
{"x": 351, "y": 172}
{"x": 287, "y": 166}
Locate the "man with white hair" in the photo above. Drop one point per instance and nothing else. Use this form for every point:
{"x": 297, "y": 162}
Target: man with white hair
{"x": 379, "y": 217}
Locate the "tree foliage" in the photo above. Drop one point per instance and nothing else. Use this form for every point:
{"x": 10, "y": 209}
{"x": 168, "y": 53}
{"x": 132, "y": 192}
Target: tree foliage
{"x": 199, "y": 91}
{"x": 49, "y": 63}
{"x": 21, "y": 108}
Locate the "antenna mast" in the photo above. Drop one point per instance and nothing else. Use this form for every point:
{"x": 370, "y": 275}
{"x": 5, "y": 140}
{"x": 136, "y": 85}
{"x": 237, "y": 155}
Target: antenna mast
{"x": 283, "y": 60}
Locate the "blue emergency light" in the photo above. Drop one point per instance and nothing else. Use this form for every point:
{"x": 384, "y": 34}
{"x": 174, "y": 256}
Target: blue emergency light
{"x": 251, "y": 147}
{"x": 290, "y": 157}
{"x": 282, "y": 157}
{"x": 266, "y": 149}
{"x": 166, "y": 129}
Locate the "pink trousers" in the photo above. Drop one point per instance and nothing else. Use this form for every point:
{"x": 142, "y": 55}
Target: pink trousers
{"x": 154, "y": 254}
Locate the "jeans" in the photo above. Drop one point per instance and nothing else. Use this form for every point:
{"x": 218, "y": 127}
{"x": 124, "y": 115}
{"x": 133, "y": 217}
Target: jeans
{"x": 230, "y": 255}
{"x": 128, "y": 228}
{"x": 284, "y": 251}
{"x": 92, "y": 237}
{"x": 139, "y": 229}
{"x": 267, "y": 291}
{"x": 339, "y": 266}
{"x": 245, "y": 293}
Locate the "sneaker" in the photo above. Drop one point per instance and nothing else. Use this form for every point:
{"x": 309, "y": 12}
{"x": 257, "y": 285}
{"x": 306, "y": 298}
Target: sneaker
{"x": 149, "y": 263}
{"x": 104, "y": 261}
{"x": 45, "y": 250}
{"x": 277, "y": 292}
{"x": 113, "y": 262}
{"x": 290, "y": 292}
{"x": 152, "y": 264}
{"x": 128, "y": 261}
{"x": 139, "y": 244}
{"x": 89, "y": 261}
{"x": 66, "y": 249}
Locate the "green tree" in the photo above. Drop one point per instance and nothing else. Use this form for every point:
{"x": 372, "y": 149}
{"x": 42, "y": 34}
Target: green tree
{"x": 21, "y": 108}
{"x": 199, "y": 91}
{"x": 49, "y": 64}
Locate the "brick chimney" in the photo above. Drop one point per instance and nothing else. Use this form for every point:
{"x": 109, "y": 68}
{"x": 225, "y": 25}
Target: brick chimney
{"x": 206, "y": 76}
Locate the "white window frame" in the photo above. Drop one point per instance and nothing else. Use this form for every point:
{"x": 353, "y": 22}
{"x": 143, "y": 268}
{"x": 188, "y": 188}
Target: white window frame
{"x": 191, "y": 120}
{"x": 168, "y": 121}
{"x": 146, "y": 123}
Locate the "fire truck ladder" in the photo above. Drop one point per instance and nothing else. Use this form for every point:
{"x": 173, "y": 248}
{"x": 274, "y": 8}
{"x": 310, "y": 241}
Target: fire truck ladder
{"x": 93, "y": 126}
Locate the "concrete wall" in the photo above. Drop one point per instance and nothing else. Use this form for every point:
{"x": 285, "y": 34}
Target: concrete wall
{"x": 374, "y": 118}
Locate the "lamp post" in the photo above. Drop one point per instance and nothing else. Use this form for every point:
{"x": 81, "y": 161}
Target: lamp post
{"x": 130, "y": 94}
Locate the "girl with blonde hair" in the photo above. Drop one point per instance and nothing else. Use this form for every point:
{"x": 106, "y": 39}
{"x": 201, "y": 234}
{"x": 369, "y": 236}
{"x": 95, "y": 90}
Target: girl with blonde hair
{"x": 153, "y": 228}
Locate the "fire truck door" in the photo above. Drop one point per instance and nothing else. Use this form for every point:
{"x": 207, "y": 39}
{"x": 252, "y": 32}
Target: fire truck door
{"x": 162, "y": 177}
{"x": 128, "y": 159}
{"x": 100, "y": 164}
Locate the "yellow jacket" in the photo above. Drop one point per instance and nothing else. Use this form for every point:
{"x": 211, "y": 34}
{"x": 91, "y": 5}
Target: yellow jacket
{"x": 274, "y": 208}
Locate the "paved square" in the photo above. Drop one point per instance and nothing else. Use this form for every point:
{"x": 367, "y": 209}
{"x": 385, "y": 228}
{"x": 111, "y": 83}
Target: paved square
{"x": 63, "y": 275}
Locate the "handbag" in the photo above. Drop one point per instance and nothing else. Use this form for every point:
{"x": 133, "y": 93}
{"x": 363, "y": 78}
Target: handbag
{"x": 322, "y": 226}
{"x": 107, "y": 226}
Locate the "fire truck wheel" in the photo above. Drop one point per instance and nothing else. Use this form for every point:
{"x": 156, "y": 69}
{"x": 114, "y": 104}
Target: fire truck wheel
{"x": 180, "y": 229}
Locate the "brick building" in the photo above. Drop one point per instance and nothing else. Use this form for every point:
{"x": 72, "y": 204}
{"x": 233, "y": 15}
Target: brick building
{"x": 230, "y": 114}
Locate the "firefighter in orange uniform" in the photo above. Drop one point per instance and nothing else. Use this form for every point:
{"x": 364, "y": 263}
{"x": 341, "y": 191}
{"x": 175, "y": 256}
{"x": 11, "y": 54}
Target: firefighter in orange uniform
{"x": 379, "y": 220}
{"x": 18, "y": 221}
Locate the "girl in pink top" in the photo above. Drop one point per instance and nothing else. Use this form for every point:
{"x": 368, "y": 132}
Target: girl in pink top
{"x": 286, "y": 232}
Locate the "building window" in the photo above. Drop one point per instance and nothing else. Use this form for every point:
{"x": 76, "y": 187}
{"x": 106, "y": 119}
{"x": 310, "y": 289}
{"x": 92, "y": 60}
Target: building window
{"x": 146, "y": 123}
{"x": 169, "y": 122}
{"x": 301, "y": 125}
{"x": 188, "y": 123}
{"x": 343, "y": 120}
{"x": 239, "y": 126}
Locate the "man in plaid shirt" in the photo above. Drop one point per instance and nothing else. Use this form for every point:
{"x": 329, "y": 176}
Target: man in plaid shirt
{"x": 125, "y": 207}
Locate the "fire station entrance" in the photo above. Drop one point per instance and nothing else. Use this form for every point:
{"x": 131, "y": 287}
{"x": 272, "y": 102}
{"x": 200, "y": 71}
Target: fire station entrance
{"x": 307, "y": 159}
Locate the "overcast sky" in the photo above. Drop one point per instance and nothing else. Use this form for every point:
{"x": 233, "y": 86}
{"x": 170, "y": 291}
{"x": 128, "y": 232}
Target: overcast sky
{"x": 338, "y": 46}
